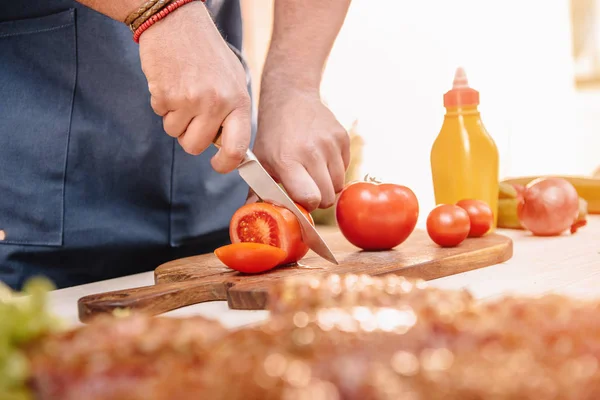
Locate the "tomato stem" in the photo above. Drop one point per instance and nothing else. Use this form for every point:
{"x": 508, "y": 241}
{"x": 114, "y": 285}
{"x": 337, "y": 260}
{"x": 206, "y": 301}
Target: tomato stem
{"x": 371, "y": 179}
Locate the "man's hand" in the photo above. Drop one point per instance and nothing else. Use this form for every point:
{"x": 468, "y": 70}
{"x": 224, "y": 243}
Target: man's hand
{"x": 197, "y": 84}
{"x": 299, "y": 140}
{"x": 302, "y": 145}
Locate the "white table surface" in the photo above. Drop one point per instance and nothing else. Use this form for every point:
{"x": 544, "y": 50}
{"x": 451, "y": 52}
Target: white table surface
{"x": 569, "y": 264}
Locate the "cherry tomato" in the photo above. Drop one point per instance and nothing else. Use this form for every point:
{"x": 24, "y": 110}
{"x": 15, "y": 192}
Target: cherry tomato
{"x": 480, "y": 216}
{"x": 376, "y": 216}
{"x": 270, "y": 224}
{"x": 448, "y": 225}
{"x": 250, "y": 258}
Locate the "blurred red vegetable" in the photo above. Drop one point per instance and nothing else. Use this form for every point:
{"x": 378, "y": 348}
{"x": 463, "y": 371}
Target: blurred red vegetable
{"x": 549, "y": 206}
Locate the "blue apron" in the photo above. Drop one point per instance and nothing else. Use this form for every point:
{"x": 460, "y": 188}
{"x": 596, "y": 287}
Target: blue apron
{"x": 91, "y": 187}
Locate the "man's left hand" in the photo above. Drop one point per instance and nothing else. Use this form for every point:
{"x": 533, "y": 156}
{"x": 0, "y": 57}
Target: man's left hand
{"x": 302, "y": 145}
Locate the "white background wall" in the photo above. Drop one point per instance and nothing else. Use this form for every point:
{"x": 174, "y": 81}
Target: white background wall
{"x": 394, "y": 60}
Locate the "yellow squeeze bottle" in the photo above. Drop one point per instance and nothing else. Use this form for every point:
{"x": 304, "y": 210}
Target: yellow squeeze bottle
{"x": 464, "y": 157}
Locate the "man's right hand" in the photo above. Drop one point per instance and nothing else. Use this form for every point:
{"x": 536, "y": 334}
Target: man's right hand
{"x": 197, "y": 84}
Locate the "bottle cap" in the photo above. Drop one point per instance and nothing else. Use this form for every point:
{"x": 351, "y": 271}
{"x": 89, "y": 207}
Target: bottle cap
{"x": 461, "y": 93}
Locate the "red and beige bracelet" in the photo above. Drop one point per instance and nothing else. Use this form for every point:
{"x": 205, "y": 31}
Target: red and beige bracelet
{"x": 158, "y": 16}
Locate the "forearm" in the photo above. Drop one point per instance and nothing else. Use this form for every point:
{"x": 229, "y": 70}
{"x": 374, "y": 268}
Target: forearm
{"x": 303, "y": 34}
{"x": 115, "y": 9}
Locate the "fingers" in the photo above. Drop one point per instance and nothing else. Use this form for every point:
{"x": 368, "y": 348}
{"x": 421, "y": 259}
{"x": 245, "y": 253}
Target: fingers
{"x": 159, "y": 106}
{"x": 199, "y": 135}
{"x": 313, "y": 178}
{"x": 320, "y": 174}
{"x": 176, "y": 122}
{"x": 300, "y": 186}
{"x": 346, "y": 151}
{"x": 338, "y": 174}
{"x": 196, "y": 123}
{"x": 195, "y": 106}
{"x": 235, "y": 140}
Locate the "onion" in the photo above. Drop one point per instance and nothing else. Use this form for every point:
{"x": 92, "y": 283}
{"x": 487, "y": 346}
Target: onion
{"x": 581, "y": 220}
{"x": 549, "y": 206}
{"x": 519, "y": 188}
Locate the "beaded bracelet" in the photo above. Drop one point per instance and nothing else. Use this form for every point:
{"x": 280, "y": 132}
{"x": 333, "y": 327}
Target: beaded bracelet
{"x": 158, "y": 16}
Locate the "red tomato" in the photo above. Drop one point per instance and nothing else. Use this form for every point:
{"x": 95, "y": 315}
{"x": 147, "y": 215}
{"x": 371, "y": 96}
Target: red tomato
{"x": 376, "y": 216}
{"x": 480, "y": 216}
{"x": 270, "y": 224}
{"x": 448, "y": 225}
{"x": 250, "y": 258}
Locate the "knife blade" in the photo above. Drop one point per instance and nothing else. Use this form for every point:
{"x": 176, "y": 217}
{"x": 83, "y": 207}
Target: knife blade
{"x": 265, "y": 187}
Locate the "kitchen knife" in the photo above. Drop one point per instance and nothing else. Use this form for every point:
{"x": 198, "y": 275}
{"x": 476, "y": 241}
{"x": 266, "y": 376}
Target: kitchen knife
{"x": 263, "y": 185}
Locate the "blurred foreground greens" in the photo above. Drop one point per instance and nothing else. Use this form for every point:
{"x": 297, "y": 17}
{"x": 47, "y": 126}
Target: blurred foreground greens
{"x": 23, "y": 317}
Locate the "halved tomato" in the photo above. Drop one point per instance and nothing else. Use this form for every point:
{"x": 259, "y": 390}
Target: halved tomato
{"x": 250, "y": 258}
{"x": 270, "y": 224}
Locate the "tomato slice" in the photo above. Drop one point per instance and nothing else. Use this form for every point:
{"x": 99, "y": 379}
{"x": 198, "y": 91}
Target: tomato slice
{"x": 250, "y": 258}
{"x": 272, "y": 225}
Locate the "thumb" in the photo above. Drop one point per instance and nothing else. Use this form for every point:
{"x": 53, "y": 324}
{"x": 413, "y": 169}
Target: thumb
{"x": 235, "y": 140}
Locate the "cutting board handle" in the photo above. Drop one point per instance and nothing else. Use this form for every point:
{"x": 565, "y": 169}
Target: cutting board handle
{"x": 153, "y": 300}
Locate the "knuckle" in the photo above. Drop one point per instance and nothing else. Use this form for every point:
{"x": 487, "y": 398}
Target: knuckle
{"x": 283, "y": 163}
{"x": 310, "y": 153}
{"x": 191, "y": 95}
{"x": 208, "y": 96}
{"x": 155, "y": 104}
{"x": 342, "y": 136}
{"x": 235, "y": 153}
{"x": 211, "y": 98}
{"x": 192, "y": 148}
{"x": 154, "y": 89}
{"x": 339, "y": 139}
{"x": 158, "y": 94}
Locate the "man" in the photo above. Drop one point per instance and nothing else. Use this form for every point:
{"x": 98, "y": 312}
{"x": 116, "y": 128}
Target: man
{"x": 92, "y": 188}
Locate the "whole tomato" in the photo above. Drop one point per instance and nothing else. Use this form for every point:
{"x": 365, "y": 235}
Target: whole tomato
{"x": 448, "y": 225}
{"x": 376, "y": 216}
{"x": 272, "y": 225}
{"x": 480, "y": 215}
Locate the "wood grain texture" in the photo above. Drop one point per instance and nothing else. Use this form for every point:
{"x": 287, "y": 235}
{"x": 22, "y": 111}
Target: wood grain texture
{"x": 202, "y": 278}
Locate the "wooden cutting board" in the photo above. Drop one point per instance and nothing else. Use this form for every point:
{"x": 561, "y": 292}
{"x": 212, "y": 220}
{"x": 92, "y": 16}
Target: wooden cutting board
{"x": 202, "y": 278}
